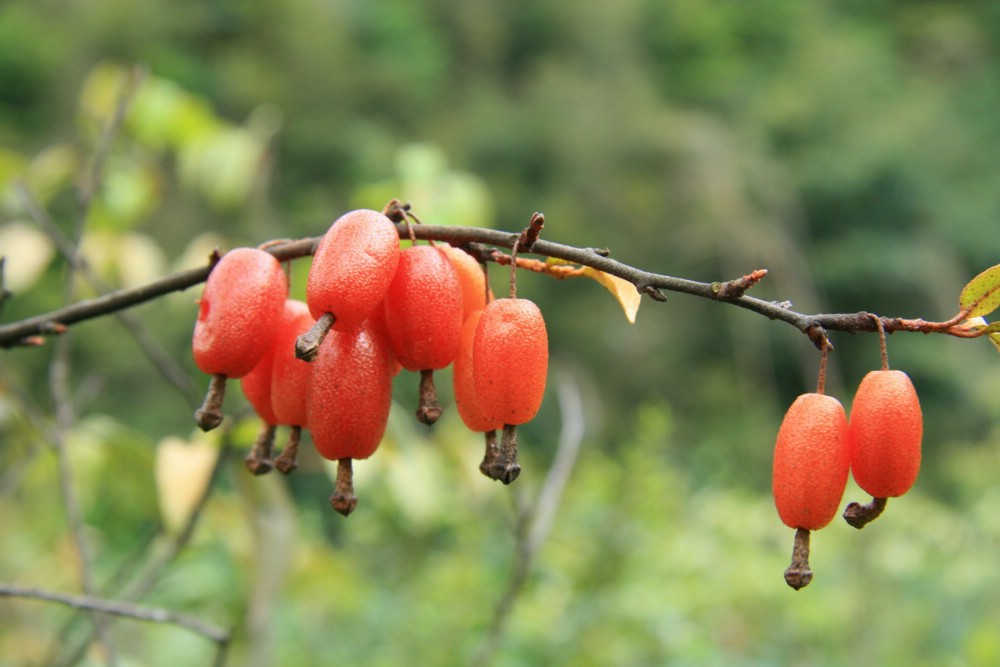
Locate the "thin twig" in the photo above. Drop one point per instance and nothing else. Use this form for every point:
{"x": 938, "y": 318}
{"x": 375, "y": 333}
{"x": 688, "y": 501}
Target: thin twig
{"x": 535, "y": 521}
{"x": 120, "y": 608}
{"x": 150, "y": 574}
{"x": 165, "y": 364}
{"x": 646, "y": 282}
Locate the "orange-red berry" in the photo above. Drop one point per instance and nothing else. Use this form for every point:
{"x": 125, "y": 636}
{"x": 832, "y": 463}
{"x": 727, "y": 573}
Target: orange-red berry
{"x": 885, "y": 433}
{"x": 811, "y": 462}
{"x": 352, "y": 268}
{"x": 290, "y": 377}
{"x": 349, "y": 395}
{"x": 423, "y": 309}
{"x": 464, "y": 381}
{"x": 510, "y": 357}
{"x": 471, "y": 277}
{"x": 238, "y": 312}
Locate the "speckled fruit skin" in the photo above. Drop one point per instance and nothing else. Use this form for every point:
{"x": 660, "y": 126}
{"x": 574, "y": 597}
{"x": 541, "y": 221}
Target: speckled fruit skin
{"x": 238, "y": 312}
{"x": 423, "y": 309}
{"x": 256, "y": 386}
{"x": 349, "y": 395}
{"x": 511, "y": 358}
{"x": 811, "y": 462}
{"x": 470, "y": 277}
{"x": 464, "y": 381}
{"x": 885, "y": 433}
{"x": 352, "y": 268}
{"x": 290, "y": 377}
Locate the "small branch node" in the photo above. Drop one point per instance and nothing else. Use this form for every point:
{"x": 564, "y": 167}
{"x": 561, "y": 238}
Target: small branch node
{"x": 734, "y": 289}
{"x": 653, "y": 292}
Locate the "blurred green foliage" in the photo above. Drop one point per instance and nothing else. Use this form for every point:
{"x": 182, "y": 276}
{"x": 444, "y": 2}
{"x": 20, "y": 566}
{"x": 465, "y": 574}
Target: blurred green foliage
{"x": 847, "y": 147}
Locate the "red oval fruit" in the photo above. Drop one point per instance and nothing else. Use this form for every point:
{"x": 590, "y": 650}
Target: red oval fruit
{"x": 511, "y": 356}
{"x": 238, "y": 312}
{"x": 423, "y": 309}
{"x": 290, "y": 376}
{"x": 885, "y": 433}
{"x": 464, "y": 380}
{"x": 471, "y": 278}
{"x": 811, "y": 462}
{"x": 352, "y": 268}
{"x": 347, "y": 406}
{"x": 256, "y": 387}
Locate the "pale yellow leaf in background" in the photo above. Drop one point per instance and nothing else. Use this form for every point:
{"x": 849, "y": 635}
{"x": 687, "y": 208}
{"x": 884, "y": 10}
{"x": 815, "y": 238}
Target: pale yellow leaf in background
{"x": 626, "y": 293}
{"x": 183, "y": 472}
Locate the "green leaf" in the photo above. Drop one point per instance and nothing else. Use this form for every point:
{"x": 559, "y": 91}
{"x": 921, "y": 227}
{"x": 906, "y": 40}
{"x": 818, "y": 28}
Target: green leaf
{"x": 995, "y": 339}
{"x": 982, "y": 295}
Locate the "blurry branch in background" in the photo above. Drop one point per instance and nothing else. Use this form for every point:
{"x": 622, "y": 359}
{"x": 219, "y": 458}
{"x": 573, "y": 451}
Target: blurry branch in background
{"x": 211, "y": 632}
{"x": 60, "y": 366}
{"x": 534, "y": 521}
{"x": 168, "y": 368}
{"x": 149, "y": 574}
{"x": 31, "y": 331}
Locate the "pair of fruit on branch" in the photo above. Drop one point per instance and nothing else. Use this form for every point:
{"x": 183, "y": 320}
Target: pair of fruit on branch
{"x": 371, "y": 309}
{"x": 817, "y": 447}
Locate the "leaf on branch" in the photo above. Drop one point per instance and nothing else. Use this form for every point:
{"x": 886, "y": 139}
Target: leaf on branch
{"x": 625, "y": 292}
{"x": 982, "y": 295}
{"x": 991, "y": 331}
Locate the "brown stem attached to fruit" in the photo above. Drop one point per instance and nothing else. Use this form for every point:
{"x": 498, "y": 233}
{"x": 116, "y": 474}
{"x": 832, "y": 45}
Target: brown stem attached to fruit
{"x": 798, "y": 575}
{"x": 343, "y": 499}
{"x": 307, "y": 345}
{"x": 209, "y": 415}
{"x": 504, "y": 467}
{"x": 859, "y": 515}
{"x": 823, "y": 358}
{"x": 883, "y": 353}
{"x": 490, "y": 454}
{"x": 258, "y": 461}
{"x": 428, "y": 408}
{"x": 288, "y": 460}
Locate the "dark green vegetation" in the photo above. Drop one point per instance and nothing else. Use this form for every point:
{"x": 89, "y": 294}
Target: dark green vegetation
{"x": 847, "y": 147}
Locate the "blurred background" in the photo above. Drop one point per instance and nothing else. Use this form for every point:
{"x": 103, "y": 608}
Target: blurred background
{"x": 849, "y": 147}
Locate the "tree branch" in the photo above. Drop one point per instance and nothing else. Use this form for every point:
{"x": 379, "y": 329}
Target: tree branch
{"x": 29, "y": 331}
{"x": 120, "y": 608}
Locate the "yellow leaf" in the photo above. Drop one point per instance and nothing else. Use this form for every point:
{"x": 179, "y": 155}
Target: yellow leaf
{"x": 183, "y": 472}
{"x": 626, "y": 293}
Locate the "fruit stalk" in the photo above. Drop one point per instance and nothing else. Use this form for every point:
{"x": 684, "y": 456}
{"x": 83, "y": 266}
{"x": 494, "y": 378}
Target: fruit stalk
{"x": 490, "y": 453}
{"x": 428, "y": 408}
{"x": 343, "y": 499}
{"x": 307, "y": 345}
{"x": 209, "y": 415}
{"x": 288, "y": 461}
{"x": 798, "y": 575}
{"x": 504, "y": 467}
{"x": 859, "y": 516}
{"x": 258, "y": 461}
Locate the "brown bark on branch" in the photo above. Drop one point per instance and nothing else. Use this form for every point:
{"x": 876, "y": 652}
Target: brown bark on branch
{"x": 652, "y": 284}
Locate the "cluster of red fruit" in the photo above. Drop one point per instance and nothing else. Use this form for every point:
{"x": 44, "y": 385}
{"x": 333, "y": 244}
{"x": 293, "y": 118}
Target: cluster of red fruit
{"x": 371, "y": 309}
{"x": 817, "y": 446}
